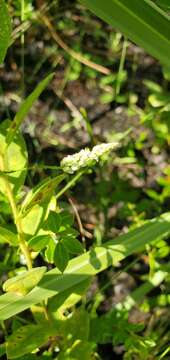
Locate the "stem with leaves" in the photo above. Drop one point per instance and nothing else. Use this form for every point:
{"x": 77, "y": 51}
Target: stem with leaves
{"x": 16, "y": 216}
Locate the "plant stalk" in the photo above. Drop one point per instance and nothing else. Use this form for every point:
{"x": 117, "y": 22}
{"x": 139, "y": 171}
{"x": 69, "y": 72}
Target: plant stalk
{"x": 16, "y": 217}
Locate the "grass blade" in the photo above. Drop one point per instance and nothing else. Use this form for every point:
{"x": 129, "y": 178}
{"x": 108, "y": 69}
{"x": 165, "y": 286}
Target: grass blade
{"x": 141, "y": 21}
{"x": 26, "y": 106}
{"x": 5, "y": 30}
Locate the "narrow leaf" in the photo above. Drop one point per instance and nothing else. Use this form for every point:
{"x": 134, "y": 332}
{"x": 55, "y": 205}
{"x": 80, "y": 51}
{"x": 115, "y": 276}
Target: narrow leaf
{"x": 7, "y": 236}
{"x": 41, "y": 192}
{"x": 141, "y": 21}
{"x": 25, "y": 108}
{"x": 5, "y": 30}
{"x": 23, "y": 283}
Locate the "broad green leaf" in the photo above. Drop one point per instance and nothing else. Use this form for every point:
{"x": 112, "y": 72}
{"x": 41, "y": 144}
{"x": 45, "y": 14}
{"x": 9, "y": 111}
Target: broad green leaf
{"x": 5, "y": 30}
{"x": 73, "y": 245}
{"x": 25, "y": 108}
{"x": 26, "y": 339}
{"x": 23, "y": 283}
{"x": 141, "y": 21}
{"x": 7, "y": 236}
{"x": 37, "y": 243}
{"x": 12, "y": 159}
{"x": 61, "y": 256}
{"x": 53, "y": 222}
{"x": 32, "y": 221}
{"x": 81, "y": 349}
{"x": 87, "y": 265}
{"x": 41, "y": 192}
{"x": 69, "y": 297}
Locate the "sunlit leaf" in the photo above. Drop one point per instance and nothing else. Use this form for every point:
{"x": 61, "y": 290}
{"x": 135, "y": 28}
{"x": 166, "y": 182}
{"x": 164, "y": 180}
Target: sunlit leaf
{"x": 23, "y": 283}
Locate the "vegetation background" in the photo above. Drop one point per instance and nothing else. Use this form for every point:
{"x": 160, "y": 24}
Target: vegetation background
{"x": 104, "y": 89}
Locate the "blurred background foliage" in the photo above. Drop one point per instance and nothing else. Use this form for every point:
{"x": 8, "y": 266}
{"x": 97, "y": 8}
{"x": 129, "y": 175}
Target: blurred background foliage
{"x": 103, "y": 86}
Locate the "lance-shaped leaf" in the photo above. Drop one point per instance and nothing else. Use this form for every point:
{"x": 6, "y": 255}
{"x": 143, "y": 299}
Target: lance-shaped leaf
{"x": 23, "y": 283}
{"x": 41, "y": 192}
{"x": 5, "y": 30}
{"x": 141, "y": 21}
{"x": 25, "y": 108}
{"x": 7, "y": 236}
{"x": 85, "y": 266}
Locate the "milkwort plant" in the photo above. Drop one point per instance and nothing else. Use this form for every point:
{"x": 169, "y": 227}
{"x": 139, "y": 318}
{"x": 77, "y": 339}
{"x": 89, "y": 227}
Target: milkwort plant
{"x": 35, "y": 226}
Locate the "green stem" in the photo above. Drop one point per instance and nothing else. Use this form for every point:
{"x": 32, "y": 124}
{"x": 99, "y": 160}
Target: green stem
{"x": 69, "y": 184}
{"x": 16, "y": 217}
{"x": 22, "y": 48}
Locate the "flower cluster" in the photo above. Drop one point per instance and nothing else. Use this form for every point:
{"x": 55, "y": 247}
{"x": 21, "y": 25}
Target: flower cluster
{"x": 86, "y": 158}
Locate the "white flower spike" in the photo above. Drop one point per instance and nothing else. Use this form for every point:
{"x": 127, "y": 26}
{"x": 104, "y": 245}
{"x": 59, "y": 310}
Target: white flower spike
{"x": 86, "y": 157}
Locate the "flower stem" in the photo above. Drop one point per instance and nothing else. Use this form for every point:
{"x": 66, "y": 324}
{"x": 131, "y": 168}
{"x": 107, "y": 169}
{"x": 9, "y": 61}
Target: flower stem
{"x": 69, "y": 184}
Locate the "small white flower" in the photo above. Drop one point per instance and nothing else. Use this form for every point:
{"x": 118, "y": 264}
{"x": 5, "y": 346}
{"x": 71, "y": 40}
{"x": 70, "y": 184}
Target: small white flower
{"x": 86, "y": 158}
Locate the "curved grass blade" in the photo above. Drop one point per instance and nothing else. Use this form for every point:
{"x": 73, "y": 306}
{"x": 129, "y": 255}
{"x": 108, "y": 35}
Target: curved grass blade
{"x": 141, "y": 21}
{"x": 87, "y": 265}
{"x": 26, "y": 106}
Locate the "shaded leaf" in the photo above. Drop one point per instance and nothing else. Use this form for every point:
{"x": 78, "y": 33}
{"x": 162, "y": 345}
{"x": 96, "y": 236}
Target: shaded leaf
{"x": 8, "y": 236}
{"x": 141, "y": 21}
{"x": 61, "y": 256}
{"x": 53, "y": 222}
{"x": 73, "y": 245}
{"x": 26, "y": 339}
{"x": 41, "y": 192}
{"x": 37, "y": 243}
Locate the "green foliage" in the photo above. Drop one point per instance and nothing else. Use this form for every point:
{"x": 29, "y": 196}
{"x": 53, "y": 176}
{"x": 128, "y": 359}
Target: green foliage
{"x": 62, "y": 269}
{"x": 5, "y": 30}
{"x": 25, "y": 108}
{"x": 142, "y": 22}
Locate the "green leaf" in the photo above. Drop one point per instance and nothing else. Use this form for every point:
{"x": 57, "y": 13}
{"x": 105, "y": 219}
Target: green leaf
{"x": 25, "y": 108}
{"x": 26, "y": 339}
{"x": 73, "y": 245}
{"x": 32, "y": 221}
{"x": 69, "y": 297}
{"x": 53, "y": 222}
{"x": 7, "y": 236}
{"x": 61, "y": 256}
{"x": 13, "y": 159}
{"x": 49, "y": 253}
{"x": 5, "y": 30}
{"x": 165, "y": 4}
{"x": 24, "y": 283}
{"x": 41, "y": 192}
{"x": 66, "y": 220}
{"x": 141, "y": 21}
{"x": 37, "y": 243}
{"x": 87, "y": 265}
{"x": 81, "y": 350}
